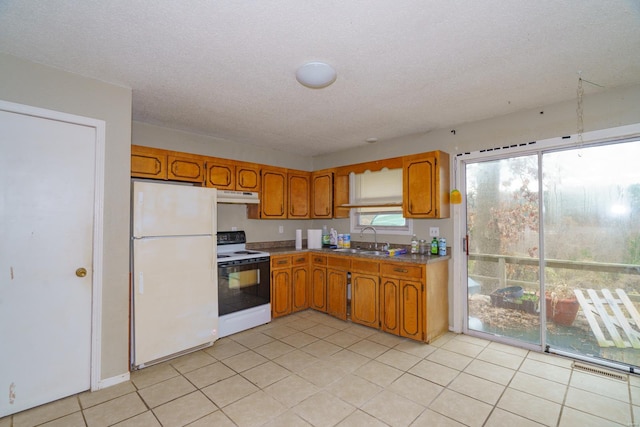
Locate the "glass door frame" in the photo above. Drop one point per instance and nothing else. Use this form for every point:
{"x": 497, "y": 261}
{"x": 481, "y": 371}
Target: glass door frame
{"x": 460, "y": 259}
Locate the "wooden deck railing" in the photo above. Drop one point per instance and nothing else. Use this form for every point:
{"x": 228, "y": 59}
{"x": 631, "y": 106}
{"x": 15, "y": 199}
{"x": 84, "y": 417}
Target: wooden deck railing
{"x": 503, "y": 260}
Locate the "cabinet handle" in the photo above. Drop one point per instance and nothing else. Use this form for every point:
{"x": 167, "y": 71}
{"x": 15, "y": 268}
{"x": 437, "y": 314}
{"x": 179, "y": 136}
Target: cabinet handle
{"x": 401, "y": 270}
{"x": 300, "y": 259}
{"x": 318, "y": 259}
{"x": 282, "y": 261}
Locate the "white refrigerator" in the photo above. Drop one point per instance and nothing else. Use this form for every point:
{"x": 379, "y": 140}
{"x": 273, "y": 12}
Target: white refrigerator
{"x": 174, "y": 292}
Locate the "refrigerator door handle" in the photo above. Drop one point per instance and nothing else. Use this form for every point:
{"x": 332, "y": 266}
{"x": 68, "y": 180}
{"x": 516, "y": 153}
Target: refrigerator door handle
{"x": 140, "y": 283}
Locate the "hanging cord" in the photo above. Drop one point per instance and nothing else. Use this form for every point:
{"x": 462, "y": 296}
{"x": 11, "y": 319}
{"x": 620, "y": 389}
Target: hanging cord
{"x": 580, "y": 113}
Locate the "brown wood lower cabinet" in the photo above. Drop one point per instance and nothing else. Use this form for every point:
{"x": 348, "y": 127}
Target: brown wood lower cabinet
{"x": 281, "y": 290}
{"x": 365, "y": 282}
{"x": 389, "y": 305}
{"x": 319, "y": 282}
{"x": 337, "y": 293}
{"x": 337, "y": 272}
{"x": 300, "y": 282}
{"x": 401, "y": 298}
{"x": 414, "y": 299}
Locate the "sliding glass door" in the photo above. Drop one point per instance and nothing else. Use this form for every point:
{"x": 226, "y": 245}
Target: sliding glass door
{"x": 574, "y": 215}
{"x": 503, "y": 240}
{"x": 592, "y": 251}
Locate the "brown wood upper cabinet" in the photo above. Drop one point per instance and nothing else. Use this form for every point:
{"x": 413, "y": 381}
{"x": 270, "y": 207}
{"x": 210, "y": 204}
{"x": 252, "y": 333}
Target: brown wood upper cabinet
{"x": 299, "y": 199}
{"x": 185, "y": 167}
{"x": 273, "y": 198}
{"x": 426, "y": 185}
{"x": 322, "y": 194}
{"x": 221, "y": 174}
{"x": 247, "y": 176}
{"x": 148, "y": 162}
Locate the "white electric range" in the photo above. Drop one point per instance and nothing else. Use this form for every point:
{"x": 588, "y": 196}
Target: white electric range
{"x": 244, "y": 294}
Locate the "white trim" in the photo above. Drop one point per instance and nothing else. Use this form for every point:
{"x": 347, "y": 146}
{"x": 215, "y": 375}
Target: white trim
{"x": 98, "y": 220}
{"x": 571, "y": 141}
{"x": 459, "y": 232}
{"x": 108, "y": 382}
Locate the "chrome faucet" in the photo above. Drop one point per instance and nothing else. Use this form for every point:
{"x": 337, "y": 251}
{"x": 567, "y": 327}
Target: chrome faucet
{"x": 375, "y": 235}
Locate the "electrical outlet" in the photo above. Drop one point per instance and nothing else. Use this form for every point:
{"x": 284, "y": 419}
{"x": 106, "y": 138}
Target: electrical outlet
{"x": 281, "y": 229}
{"x": 234, "y": 228}
{"x": 434, "y": 231}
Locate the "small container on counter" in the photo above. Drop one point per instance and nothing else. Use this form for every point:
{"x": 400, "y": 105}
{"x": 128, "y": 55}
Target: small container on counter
{"x": 346, "y": 241}
{"x": 442, "y": 247}
{"x": 423, "y": 247}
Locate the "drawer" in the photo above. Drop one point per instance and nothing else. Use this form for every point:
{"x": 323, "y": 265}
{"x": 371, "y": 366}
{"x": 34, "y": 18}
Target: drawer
{"x": 319, "y": 259}
{"x": 365, "y": 265}
{"x": 301, "y": 259}
{"x": 280, "y": 261}
{"x": 402, "y": 270}
{"x": 342, "y": 263}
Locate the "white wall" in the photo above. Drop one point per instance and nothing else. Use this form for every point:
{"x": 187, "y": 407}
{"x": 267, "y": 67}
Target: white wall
{"x": 33, "y": 84}
{"x": 187, "y": 142}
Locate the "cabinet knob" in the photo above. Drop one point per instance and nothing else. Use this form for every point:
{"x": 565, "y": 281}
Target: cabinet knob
{"x": 81, "y": 272}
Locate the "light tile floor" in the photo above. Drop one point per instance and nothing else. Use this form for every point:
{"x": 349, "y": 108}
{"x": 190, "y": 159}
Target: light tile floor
{"x": 309, "y": 369}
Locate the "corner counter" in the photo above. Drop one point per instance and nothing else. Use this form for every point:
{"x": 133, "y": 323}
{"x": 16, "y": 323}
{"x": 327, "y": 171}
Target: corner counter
{"x": 405, "y": 295}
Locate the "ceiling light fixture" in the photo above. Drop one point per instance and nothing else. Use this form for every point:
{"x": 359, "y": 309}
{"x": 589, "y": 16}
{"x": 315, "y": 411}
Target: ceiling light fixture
{"x": 316, "y": 75}
{"x": 371, "y": 140}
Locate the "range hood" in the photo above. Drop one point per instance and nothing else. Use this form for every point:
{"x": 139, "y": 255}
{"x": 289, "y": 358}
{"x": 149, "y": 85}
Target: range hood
{"x": 241, "y": 197}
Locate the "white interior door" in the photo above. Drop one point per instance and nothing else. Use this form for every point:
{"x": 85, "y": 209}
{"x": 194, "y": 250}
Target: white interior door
{"x": 46, "y": 238}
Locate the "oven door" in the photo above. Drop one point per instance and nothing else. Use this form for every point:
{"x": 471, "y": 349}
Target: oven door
{"x": 243, "y": 284}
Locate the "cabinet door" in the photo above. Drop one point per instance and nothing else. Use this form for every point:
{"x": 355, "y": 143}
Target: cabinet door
{"x": 322, "y": 194}
{"x": 300, "y": 277}
{"x": 319, "y": 288}
{"x": 411, "y": 310}
{"x": 148, "y": 162}
{"x": 299, "y": 194}
{"x": 247, "y": 177}
{"x": 273, "y": 200}
{"x": 389, "y": 305}
{"x": 426, "y": 185}
{"x": 337, "y": 293}
{"x": 220, "y": 174}
{"x": 364, "y": 299}
{"x": 281, "y": 292}
{"x": 190, "y": 169}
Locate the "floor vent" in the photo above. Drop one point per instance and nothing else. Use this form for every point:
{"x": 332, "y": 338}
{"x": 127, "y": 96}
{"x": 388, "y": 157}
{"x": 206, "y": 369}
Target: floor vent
{"x": 599, "y": 371}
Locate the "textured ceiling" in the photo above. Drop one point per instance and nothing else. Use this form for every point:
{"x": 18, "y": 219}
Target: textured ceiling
{"x": 227, "y": 68}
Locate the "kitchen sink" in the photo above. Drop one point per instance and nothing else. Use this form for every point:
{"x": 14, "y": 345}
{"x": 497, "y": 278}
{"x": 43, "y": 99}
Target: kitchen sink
{"x": 360, "y": 251}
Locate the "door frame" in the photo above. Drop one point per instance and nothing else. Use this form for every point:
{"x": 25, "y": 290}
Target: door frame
{"x": 98, "y": 221}
{"x": 459, "y": 257}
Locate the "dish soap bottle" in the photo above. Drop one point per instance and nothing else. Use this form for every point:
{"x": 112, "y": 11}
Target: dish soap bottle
{"x": 434, "y": 246}
{"x": 414, "y": 244}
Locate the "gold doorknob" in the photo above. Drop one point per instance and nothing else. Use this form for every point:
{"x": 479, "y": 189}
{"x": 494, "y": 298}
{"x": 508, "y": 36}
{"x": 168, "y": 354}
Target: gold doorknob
{"x": 81, "y": 272}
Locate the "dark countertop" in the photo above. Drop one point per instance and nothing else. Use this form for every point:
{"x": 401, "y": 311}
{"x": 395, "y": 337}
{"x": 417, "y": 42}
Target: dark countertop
{"x": 411, "y": 258}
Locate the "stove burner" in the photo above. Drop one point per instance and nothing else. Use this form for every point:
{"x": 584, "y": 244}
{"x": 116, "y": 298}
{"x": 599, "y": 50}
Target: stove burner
{"x": 246, "y": 252}
{"x": 223, "y": 256}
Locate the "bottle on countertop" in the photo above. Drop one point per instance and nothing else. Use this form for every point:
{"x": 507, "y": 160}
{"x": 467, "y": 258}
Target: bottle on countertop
{"x": 414, "y": 244}
{"x": 325, "y": 237}
{"x": 434, "y": 246}
{"x": 333, "y": 238}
